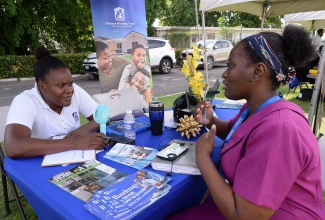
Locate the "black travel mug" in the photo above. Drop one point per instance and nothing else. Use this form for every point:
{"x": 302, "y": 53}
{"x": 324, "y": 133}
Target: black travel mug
{"x": 156, "y": 115}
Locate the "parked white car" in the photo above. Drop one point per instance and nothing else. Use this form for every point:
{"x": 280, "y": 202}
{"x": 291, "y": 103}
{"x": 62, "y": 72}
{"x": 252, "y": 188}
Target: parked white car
{"x": 161, "y": 55}
{"x": 217, "y": 52}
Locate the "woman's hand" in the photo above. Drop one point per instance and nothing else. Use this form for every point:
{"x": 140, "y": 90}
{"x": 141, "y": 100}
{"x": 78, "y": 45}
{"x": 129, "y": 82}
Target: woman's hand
{"x": 204, "y": 113}
{"x": 204, "y": 145}
{"x": 94, "y": 141}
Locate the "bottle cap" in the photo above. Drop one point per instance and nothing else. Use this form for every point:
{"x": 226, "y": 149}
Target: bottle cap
{"x": 128, "y": 111}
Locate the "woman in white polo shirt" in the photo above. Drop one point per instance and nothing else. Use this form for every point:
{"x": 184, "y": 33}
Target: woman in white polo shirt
{"x": 51, "y": 109}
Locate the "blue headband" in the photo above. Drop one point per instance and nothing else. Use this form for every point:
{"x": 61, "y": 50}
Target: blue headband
{"x": 264, "y": 50}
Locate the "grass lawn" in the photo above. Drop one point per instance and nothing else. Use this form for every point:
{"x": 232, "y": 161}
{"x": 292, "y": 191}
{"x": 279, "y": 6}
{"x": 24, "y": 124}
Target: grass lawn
{"x": 168, "y": 102}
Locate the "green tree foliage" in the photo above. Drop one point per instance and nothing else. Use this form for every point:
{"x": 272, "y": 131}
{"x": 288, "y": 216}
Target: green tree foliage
{"x": 18, "y": 26}
{"x": 182, "y": 13}
{"x": 28, "y": 24}
{"x": 154, "y": 9}
{"x": 235, "y": 19}
{"x": 24, "y": 25}
{"x": 67, "y": 24}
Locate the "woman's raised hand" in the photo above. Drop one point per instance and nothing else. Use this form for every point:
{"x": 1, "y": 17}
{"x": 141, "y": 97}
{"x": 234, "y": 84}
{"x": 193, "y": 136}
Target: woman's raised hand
{"x": 204, "y": 113}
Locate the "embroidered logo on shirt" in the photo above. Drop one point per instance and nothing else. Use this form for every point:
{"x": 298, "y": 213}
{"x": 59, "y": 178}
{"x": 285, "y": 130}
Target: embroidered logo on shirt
{"x": 75, "y": 116}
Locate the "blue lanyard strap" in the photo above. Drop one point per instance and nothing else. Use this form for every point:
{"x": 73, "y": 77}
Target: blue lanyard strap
{"x": 245, "y": 113}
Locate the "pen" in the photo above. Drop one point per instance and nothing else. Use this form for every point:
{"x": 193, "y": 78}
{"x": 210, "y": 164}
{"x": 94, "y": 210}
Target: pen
{"x": 204, "y": 99}
{"x": 204, "y": 114}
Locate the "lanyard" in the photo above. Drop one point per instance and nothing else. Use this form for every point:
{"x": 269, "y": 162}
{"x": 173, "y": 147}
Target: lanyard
{"x": 245, "y": 113}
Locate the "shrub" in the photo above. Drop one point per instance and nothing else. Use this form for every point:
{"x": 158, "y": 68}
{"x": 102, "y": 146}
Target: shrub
{"x": 22, "y": 66}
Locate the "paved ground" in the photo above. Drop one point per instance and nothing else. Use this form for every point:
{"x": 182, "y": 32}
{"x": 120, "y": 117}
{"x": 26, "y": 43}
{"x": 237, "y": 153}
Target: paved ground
{"x": 164, "y": 84}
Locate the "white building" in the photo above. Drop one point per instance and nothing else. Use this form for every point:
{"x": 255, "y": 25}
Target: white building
{"x": 233, "y": 34}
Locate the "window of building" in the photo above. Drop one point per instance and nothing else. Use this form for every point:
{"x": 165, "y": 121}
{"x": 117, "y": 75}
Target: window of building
{"x": 118, "y": 48}
{"x": 193, "y": 36}
{"x": 211, "y": 36}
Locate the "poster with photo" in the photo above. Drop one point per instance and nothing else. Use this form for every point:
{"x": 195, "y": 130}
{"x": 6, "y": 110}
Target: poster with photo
{"x": 121, "y": 43}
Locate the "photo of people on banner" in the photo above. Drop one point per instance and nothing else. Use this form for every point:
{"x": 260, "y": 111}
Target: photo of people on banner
{"x": 122, "y": 46}
{"x": 118, "y": 71}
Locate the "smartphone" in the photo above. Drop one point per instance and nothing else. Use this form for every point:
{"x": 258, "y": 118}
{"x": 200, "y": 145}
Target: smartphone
{"x": 172, "y": 152}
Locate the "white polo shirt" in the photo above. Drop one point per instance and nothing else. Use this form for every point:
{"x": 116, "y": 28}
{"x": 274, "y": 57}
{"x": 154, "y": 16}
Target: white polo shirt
{"x": 317, "y": 42}
{"x": 30, "y": 109}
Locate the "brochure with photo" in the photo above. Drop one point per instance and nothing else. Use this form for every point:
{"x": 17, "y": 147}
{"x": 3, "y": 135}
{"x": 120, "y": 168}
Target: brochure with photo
{"x": 134, "y": 156}
{"x": 128, "y": 198}
{"x": 85, "y": 179}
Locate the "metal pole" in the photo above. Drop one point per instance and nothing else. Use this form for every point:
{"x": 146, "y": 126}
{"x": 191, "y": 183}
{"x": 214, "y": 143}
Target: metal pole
{"x": 263, "y": 19}
{"x": 265, "y": 9}
{"x": 205, "y": 54}
{"x": 197, "y": 21}
{"x": 318, "y": 83}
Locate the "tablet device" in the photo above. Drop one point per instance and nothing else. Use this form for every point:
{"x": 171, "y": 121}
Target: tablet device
{"x": 118, "y": 128}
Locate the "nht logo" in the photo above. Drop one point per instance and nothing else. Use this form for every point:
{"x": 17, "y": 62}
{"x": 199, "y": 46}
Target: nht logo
{"x": 119, "y": 14}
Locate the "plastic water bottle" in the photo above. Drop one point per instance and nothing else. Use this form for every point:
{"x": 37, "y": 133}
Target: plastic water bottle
{"x": 129, "y": 125}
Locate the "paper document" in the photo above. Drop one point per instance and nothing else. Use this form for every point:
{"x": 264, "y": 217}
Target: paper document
{"x": 68, "y": 157}
{"x": 231, "y": 104}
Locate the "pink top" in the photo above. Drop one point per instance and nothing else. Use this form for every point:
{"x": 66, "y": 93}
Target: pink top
{"x": 273, "y": 161}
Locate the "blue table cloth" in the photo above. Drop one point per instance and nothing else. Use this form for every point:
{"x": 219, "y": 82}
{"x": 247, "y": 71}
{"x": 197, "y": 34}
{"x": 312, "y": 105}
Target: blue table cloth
{"x": 51, "y": 202}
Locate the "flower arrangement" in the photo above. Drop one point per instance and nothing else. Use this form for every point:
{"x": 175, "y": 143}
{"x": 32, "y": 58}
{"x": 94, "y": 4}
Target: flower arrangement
{"x": 194, "y": 78}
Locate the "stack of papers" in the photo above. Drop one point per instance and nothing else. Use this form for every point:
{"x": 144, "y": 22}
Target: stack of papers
{"x": 131, "y": 155}
{"x": 129, "y": 197}
{"x": 68, "y": 157}
{"x": 231, "y": 104}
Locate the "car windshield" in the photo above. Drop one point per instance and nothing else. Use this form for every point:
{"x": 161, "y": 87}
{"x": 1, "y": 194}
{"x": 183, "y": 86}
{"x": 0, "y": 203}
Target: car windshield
{"x": 201, "y": 43}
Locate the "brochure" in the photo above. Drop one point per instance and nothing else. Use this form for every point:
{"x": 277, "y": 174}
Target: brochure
{"x": 130, "y": 196}
{"x": 85, "y": 179}
{"x": 132, "y": 155}
{"x": 231, "y": 104}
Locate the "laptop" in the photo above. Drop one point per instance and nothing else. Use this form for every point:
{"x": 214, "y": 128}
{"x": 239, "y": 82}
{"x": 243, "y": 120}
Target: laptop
{"x": 121, "y": 100}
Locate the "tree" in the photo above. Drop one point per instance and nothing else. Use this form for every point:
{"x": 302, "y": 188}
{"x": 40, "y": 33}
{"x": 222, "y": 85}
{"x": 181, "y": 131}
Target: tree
{"x": 18, "y": 25}
{"x": 182, "y": 13}
{"x": 66, "y": 23}
{"x": 154, "y": 9}
{"x": 235, "y": 19}
{"x": 24, "y": 25}
{"x": 57, "y": 23}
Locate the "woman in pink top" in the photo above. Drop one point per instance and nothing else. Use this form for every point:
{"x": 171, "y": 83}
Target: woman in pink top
{"x": 270, "y": 156}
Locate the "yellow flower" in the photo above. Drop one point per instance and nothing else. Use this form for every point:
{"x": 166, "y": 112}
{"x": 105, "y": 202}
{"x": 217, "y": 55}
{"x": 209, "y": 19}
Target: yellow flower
{"x": 186, "y": 69}
{"x": 193, "y": 77}
{"x": 195, "y": 64}
{"x": 198, "y": 76}
{"x": 196, "y": 54}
